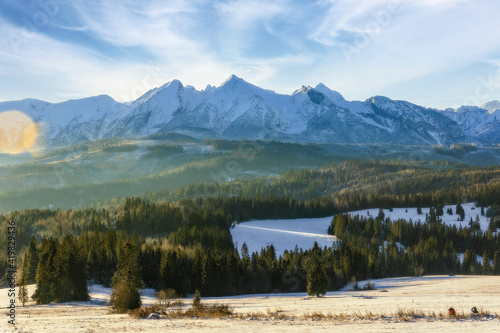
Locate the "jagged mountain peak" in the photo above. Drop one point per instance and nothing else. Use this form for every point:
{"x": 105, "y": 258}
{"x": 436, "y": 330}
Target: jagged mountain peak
{"x": 239, "y": 110}
{"x": 491, "y": 106}
{"x": 168, "y": 88}
{"x": 302, "y": 90}
{"x": 233, "y": 80}
{"x": 209, "y": 88}
{"x": 332, "y": 94}
{"x": 470, "y": 109}
{"x": 379, "y": 100}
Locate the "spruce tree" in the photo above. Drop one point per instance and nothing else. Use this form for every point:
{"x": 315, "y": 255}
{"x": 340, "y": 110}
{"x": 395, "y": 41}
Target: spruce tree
{"x": 496, "y": 263}
{"x": 71, "y": 271}
{"x": 317, "y": 280}
{"x": 486, "y": 264}
{"x": 470, "y": 262}
{"x": 23, "y": 290}
{"x": 47, "y": 279}
{"x": 439, "y": 210}
{"x": 127, "y": 280}
{"x": 30, "y": 261}
{"x": 381, "y": 214}
{"x": 173, "y": 272}
{"x": 245, "y": 256}
{"x": 460, "y": 211}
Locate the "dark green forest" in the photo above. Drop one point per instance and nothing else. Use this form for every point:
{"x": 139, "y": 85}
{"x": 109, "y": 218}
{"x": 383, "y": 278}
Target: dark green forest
{"x": 181, "y": 239}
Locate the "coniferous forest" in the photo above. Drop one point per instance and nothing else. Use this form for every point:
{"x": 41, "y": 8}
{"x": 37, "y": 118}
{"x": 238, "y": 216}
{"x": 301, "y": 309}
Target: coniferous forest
{"x": 181, "y": 239}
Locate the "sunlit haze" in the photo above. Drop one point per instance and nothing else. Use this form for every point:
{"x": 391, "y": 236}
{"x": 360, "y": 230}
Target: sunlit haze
{"x": 17, "y": 132}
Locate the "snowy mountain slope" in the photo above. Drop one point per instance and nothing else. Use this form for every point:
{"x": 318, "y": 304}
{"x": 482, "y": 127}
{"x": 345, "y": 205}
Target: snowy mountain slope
{"x": 491, "y": 106}
{"x": 477, "y": 122}
{"x": 239, "y": 110}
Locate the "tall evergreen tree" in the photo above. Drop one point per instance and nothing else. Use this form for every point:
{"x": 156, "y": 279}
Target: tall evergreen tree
{"x": 496, "y": 263}
{"x": 30, "y": 262}
{"x": 460, "y": 211}
{"x": 317, "y": 280}
{"x": 127, "y": 280}
{"x": 23, "y": 290}
{"x": 439, "y": 210}
{"x": 71, "y": 271}
{"x": 470, "y": 262}
{"x": 245, "y": 256}
{"x": 486, "y": 264}
{"x": 173, "y": 272}
{"x": 47, "y": 279}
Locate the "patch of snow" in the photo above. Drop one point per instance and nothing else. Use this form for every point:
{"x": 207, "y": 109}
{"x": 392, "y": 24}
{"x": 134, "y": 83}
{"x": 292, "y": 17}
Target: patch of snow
{"x": 283, "y": 234}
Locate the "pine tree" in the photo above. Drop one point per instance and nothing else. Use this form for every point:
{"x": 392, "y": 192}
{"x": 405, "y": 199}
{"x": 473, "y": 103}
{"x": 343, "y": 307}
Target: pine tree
{"x": 71, "y": 272}
{"x": 470, "y": 262}
{"x": 317, "y": 280}
{"x": 486, "y": 264}
{"x": 127, "y": 280}
{"x": 245, "y": 256}
{"x": 381, "y": 214}
{"x": 173, "y": 272}
{"x": 23, "y": 290}
{"x": 460, "y": 211}
{"x": 496, "y": 263}
{"x": 439, "y": 210}
{"x": 432, "y": 215}
{"x": 47, "y": 279}
{"x": 30, "y": 262}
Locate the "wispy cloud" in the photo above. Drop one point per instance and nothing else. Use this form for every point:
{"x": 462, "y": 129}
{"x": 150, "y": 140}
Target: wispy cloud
{"x": 360, "y": 48}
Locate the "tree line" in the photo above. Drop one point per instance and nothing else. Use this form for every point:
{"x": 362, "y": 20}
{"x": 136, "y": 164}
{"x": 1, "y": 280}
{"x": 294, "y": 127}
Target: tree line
{"x": 368, "y": 248}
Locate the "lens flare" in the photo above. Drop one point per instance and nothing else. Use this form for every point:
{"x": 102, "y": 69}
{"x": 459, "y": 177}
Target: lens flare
{"x": 17, "y": 132}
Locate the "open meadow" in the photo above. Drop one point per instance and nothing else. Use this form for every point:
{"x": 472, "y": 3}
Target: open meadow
{"x": 412, "y": 304}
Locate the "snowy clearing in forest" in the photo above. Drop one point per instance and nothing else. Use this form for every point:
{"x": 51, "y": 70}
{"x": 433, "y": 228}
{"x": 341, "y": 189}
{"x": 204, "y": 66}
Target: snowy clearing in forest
{"x": 286, "y": 234}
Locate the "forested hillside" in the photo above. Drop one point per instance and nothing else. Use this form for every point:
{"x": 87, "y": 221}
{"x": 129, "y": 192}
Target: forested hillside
{"x": 182, "y": 238}
{"x": 90, "y": 173}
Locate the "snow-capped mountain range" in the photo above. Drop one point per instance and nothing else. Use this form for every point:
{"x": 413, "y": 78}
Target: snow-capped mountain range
{"x": 239, "y": 110}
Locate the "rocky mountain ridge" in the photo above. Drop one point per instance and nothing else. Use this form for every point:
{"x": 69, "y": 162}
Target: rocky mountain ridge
{"x": 239, "y": 110}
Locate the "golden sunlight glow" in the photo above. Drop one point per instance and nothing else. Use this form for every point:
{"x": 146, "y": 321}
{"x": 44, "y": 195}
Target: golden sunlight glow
{"x": 17, "y": 132}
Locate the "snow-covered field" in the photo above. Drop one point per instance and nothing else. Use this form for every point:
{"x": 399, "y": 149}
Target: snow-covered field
{"x": 470, "y": 209}
{"x": 427, "y": 294}
{"x": 285, "y": 234}
{"x": 282, "y": 234}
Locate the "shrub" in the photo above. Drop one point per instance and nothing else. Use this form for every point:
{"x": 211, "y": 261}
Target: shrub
{"x": 125, "y": 297}
{"x": 197, "y": 299}
{"x": 166, "y": 296}
{"x": 369, "y": 286}
{"x": 213, "y": 311}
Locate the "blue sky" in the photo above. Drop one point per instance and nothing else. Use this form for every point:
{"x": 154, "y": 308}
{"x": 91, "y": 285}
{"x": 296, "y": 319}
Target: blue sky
{"x": 436, "y": 53}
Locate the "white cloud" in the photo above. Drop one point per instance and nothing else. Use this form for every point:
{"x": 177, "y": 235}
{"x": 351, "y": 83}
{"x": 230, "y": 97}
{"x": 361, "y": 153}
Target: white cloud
{"x": 155, "y": 25}
{"x": 420, "y": 38}
{"x": 357, "y": 47}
